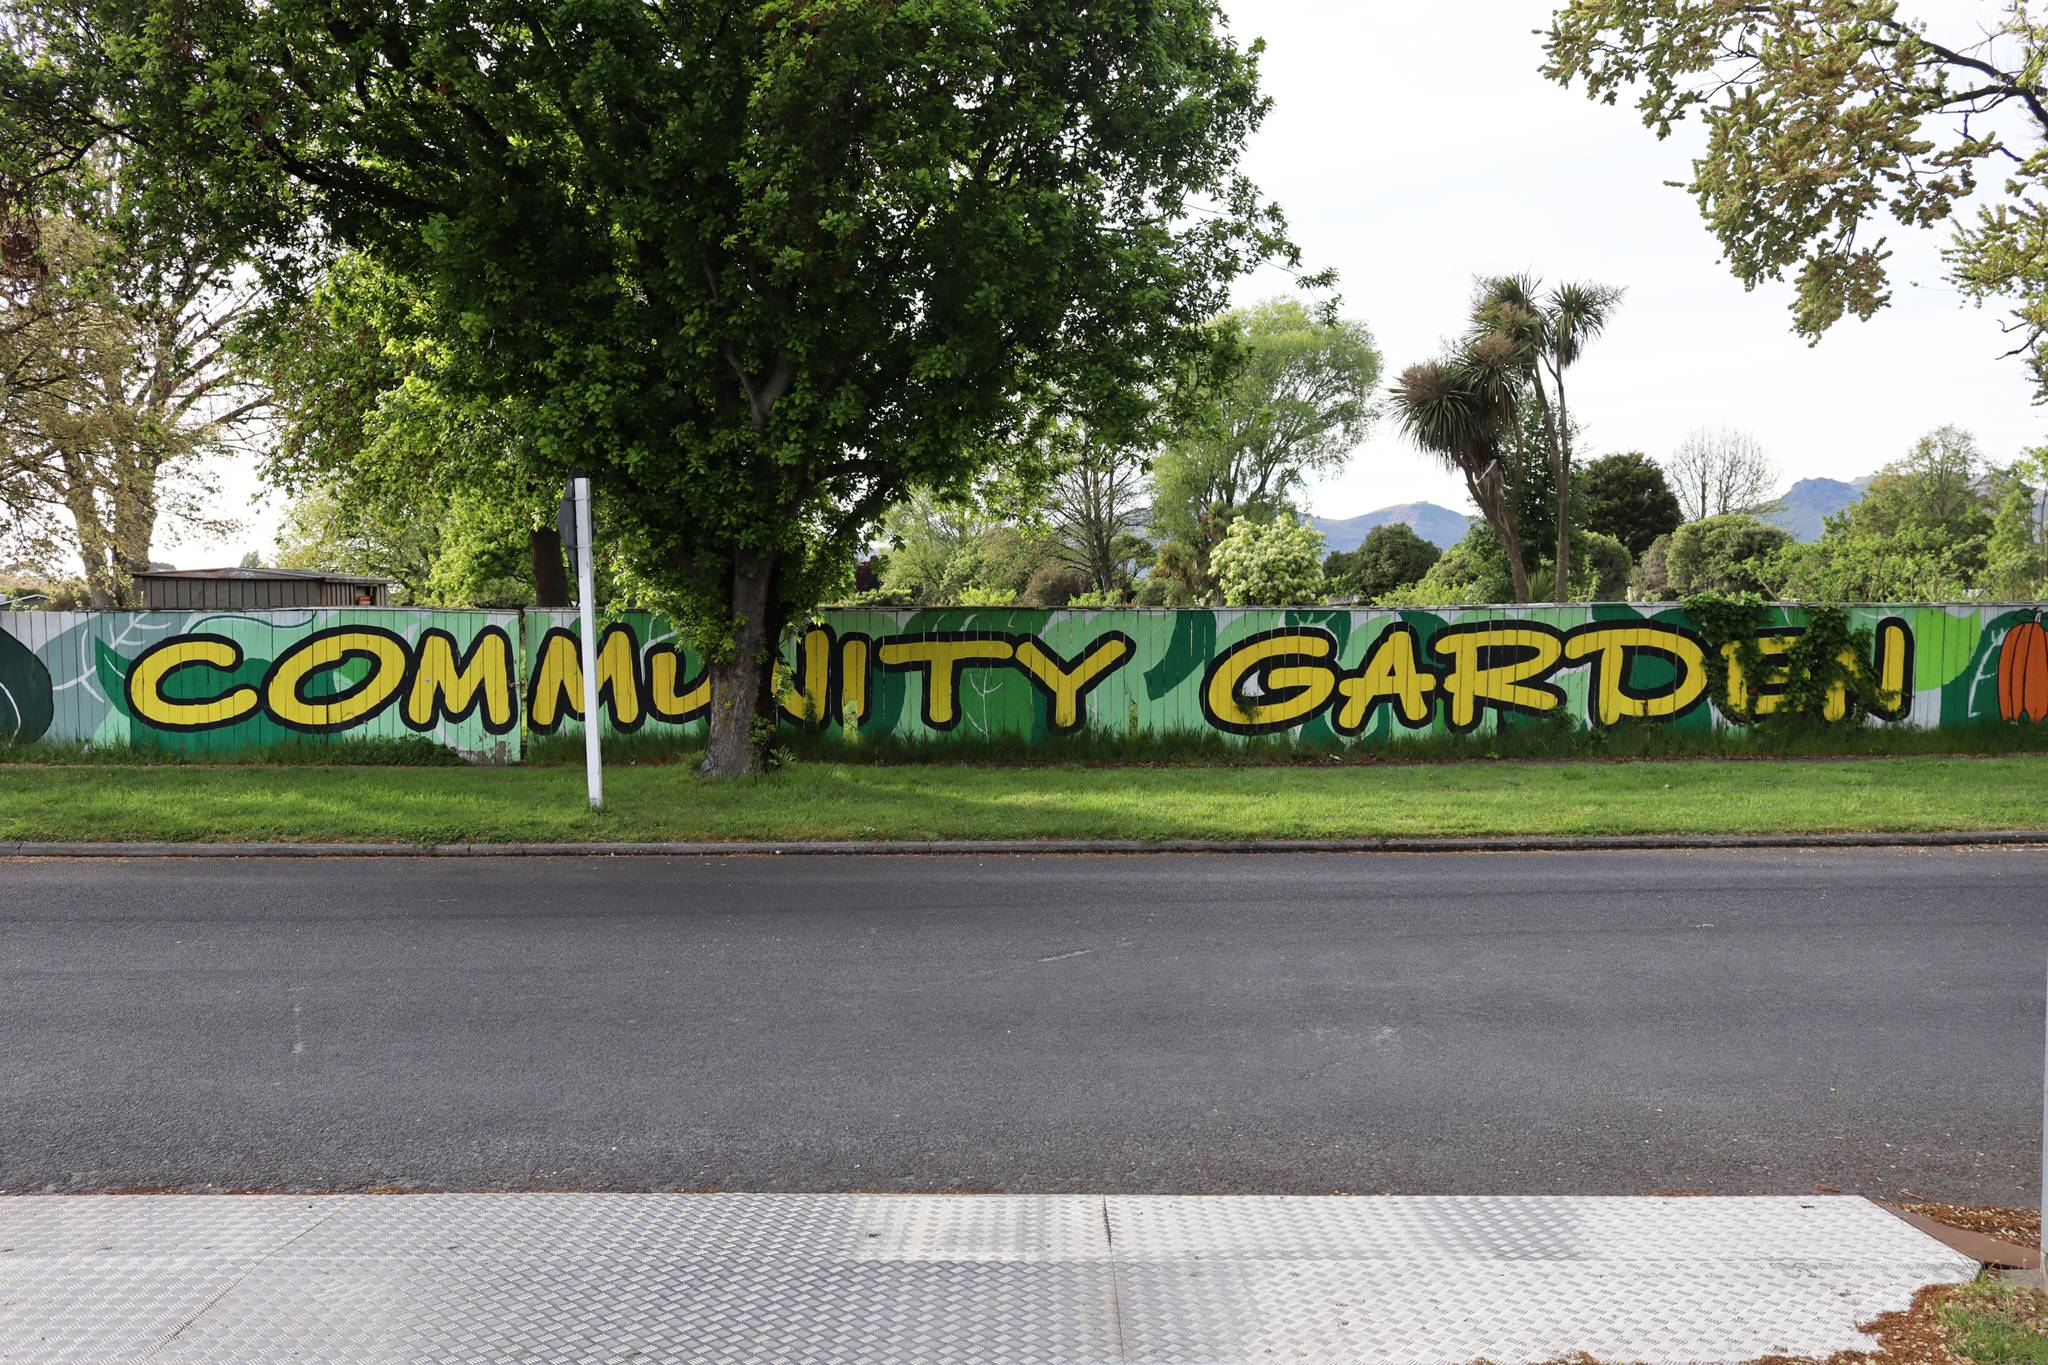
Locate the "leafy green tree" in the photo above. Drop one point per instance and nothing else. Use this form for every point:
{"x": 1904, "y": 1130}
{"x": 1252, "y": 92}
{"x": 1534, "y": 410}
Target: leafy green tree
{"x": 1548, "y": 333}
{"x": 1939, "y": 486}
{"x": 760, "y": 269}
{"x": 1273, "y": 563}
{"x": 959, "y": 551}
{"x": 1463, "y": 409}
{"x": 1651, "y": 581}
{"x": 326, "y": 530}
{"x": 1726, "y": 554}
{"x": 369, "y": 416}
{"x": 2016, "y": 556}
{"x": 1626, "y": 496}
{"x": 1854, "y": 564}
{"x": 1476, "y": 570}
{"x": 453, "y": 550}
{"x": 1822, "y": 115}
{"x": 1177, "y": 578}
{"x": 1391, "y": 556}
{"x": 1600, "y": 567}
{"x": 395, "y": 470}
{"x": 1921, "y": 530}
{"x": 121, "y": 385}
{"x": 1297, "y": 404}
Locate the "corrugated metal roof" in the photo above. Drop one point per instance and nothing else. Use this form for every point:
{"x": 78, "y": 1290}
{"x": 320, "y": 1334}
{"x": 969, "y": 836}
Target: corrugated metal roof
{"x": 241, "y": 573}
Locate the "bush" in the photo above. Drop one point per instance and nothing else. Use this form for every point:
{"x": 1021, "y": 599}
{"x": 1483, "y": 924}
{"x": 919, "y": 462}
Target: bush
{"x": 1651, "y": 581}
{"x": 1726, "y": 554}
{"x": 1054, "y": 585}
{"x": 880, "y": 598}
{"x": 1600, "y": 567}
{"x": 1278, "y": 563}
{"x": 1391, "y": 557}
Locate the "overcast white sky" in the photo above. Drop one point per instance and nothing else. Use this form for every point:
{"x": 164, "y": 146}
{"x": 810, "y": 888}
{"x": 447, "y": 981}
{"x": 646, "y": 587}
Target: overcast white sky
{"x": 1415, "y": 146}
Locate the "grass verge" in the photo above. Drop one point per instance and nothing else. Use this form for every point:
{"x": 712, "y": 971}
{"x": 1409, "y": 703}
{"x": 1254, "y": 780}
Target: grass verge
{"x": 1994, "y": 1323}
{"x": 850, "y": 801}
{"x": 1537, "y": 739}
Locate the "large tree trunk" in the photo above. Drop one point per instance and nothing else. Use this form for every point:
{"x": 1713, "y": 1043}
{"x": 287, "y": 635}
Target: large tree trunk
{"x": 1564, "y": 533}
{"x": 743, "y": 683}
{"x": 550, "y": 578}
{"x": 1489, "y": 490}
{"x": 1560, "y": 476}
{"x": 134, "y": 524}
{"x": 95, "y": 553}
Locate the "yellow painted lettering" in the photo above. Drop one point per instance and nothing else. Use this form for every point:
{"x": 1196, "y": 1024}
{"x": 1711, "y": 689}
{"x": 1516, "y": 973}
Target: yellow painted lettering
{"x": 284, "y": 691}
{"x": 153, "y": 668}
{"x": 1391, "y": 671}
{"x": 669, "y": 699}
{"x": 1610, "y": 648}
{"x": 806, "y": 702}
{"x": 1769, "y": 687}
{"x": 557, "y": 688}
{"x": 1066, "y": 684}
{"x": 1288, "y": 693}
{"x": 445, "y": 685}
{"x": 853, "y": 680}
{"x": 1476, "y": 678}
{"x": 941, "y": 659}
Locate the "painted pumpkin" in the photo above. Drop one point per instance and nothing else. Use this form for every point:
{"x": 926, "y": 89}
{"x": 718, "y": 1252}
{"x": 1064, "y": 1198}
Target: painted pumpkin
{"x": 2023, "y": 673}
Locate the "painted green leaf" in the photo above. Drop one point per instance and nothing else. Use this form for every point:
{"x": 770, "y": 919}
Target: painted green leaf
{"x": 113, "y": 675}
{"x": 27, "y": 704}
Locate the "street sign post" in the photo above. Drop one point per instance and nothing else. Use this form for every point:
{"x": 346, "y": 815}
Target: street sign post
{"x": 573, "y": 521}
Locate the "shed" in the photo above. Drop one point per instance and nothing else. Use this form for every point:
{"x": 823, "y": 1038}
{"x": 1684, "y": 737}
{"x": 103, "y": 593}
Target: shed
{"x": 257, "y": 589}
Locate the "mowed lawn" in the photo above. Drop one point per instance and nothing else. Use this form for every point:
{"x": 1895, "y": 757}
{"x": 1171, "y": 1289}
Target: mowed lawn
{"x": 831, "y": 801}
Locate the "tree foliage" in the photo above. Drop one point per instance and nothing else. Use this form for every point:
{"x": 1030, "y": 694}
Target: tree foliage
{"x": 1297, "y": 401}
{"x": 1823, "y": 118}
{"x": 1547, "y": 334}
{"x": 1461, "y": 408}
{"x": 1268, "y": 564}
{"x": 1920, "y": 532}
{"x": 120, "y": 380}
{"x": 759, "y": 269}
{"x": 1627, "y": 497}
{"x": 1390, "y": 557}
{"x": 391, "y": 463}
{"x": 1725, "y": 554}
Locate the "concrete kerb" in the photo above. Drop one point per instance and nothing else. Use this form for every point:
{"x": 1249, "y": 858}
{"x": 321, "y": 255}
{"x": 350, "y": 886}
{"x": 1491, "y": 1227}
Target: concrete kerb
{"x": 1518, "y": 843}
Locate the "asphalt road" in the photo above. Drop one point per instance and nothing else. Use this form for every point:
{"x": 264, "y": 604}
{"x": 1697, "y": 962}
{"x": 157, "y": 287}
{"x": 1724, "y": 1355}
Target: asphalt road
{"x": 1772, "y": 1022}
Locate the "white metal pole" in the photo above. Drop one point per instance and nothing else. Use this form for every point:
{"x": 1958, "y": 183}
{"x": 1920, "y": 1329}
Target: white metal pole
{"x": 586, "y": 590}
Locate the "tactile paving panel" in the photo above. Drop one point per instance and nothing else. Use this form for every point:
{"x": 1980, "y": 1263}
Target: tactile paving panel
{"x": 790, "y": 1279}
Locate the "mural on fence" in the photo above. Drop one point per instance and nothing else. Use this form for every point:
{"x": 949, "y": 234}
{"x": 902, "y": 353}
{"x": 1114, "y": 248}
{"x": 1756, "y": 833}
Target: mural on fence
{"x": 222, "y": 682}
{"x": 485, "y": 683}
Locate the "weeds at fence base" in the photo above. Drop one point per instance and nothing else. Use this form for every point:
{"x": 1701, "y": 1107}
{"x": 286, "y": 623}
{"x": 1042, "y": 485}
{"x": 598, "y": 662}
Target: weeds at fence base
{"x": 411, "y": 751}
{"x": 1526, "y": 739}
{"x": 1538, "y": 739}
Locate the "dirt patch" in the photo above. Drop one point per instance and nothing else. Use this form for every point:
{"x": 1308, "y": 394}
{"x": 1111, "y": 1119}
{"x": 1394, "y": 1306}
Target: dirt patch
{"x": 2021, "y": 1227}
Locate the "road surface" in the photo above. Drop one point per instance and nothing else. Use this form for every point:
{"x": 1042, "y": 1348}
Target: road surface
{"x": 1612, "y": 1023}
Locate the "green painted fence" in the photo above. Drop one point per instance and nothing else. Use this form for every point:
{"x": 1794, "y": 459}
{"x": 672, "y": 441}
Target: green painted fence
{"x": 485, "y": 683}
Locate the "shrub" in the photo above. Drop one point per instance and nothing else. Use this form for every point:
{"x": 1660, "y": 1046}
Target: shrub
{"x": 1278, "y": 563}
{"x": 1725, "y": 554}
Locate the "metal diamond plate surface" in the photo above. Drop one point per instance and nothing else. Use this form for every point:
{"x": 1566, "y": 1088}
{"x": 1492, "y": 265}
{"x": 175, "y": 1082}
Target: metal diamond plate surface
{"x": 791, "y": 1279}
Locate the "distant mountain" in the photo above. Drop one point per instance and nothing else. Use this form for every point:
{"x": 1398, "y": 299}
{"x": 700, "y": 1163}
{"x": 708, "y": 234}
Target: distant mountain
{"x": 1810, "y": 502}
{"x": 1439, "y": 525}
